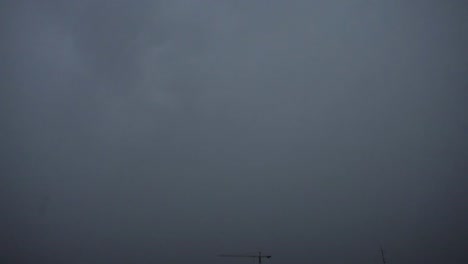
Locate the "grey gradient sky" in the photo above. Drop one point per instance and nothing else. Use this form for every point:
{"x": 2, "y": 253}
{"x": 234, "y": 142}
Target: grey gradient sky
{"x": 172, "y": 131}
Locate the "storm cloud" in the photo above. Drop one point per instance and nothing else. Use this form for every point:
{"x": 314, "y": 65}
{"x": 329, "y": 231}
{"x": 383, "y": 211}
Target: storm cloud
{"x": 172, "y": 131}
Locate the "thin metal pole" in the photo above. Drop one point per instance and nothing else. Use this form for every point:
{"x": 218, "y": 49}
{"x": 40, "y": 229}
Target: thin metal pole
{"x": 383, "y": 255}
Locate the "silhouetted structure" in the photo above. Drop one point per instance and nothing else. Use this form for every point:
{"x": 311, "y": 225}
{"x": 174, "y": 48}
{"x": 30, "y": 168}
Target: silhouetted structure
{"x": 259, "y": 256}
{"x": 383, "y": 255}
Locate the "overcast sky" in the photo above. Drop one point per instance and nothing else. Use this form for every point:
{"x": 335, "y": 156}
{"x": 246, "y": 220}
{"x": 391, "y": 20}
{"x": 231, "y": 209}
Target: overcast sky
{"x": 172, "y": 131}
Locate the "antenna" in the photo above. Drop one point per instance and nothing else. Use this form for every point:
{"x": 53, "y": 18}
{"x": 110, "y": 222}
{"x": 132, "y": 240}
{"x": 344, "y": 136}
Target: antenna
{"x": 383, "y": 255}
{"x": 259, "y": 256}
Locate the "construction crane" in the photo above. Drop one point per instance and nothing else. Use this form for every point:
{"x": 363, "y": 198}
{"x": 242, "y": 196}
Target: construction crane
{"x": 259, "y": 256}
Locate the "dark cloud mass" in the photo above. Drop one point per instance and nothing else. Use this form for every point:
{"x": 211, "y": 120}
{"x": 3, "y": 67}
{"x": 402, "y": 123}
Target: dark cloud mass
{"x": 172, "y": 131}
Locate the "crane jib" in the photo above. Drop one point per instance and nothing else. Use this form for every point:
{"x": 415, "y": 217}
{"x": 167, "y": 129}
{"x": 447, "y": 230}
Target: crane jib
{"x": 259, "y": 256}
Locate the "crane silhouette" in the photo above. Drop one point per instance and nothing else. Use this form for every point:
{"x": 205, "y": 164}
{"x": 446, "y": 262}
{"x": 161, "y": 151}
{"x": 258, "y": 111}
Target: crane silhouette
{"x": 259, "y": 256}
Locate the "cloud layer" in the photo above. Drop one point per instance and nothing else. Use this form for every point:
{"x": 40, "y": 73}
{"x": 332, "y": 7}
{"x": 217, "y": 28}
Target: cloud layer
{"x": 157, "y": 131}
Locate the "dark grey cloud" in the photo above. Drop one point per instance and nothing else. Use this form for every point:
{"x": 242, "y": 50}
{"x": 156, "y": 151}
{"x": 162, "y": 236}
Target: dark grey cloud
{"x": 171, "y": 131}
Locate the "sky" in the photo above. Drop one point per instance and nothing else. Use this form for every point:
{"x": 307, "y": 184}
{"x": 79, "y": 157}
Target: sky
{"x": 173, "y": 131}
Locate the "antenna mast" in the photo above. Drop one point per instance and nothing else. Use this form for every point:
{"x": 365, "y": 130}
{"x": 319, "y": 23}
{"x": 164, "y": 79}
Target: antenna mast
{"x": 383, "y": 255}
